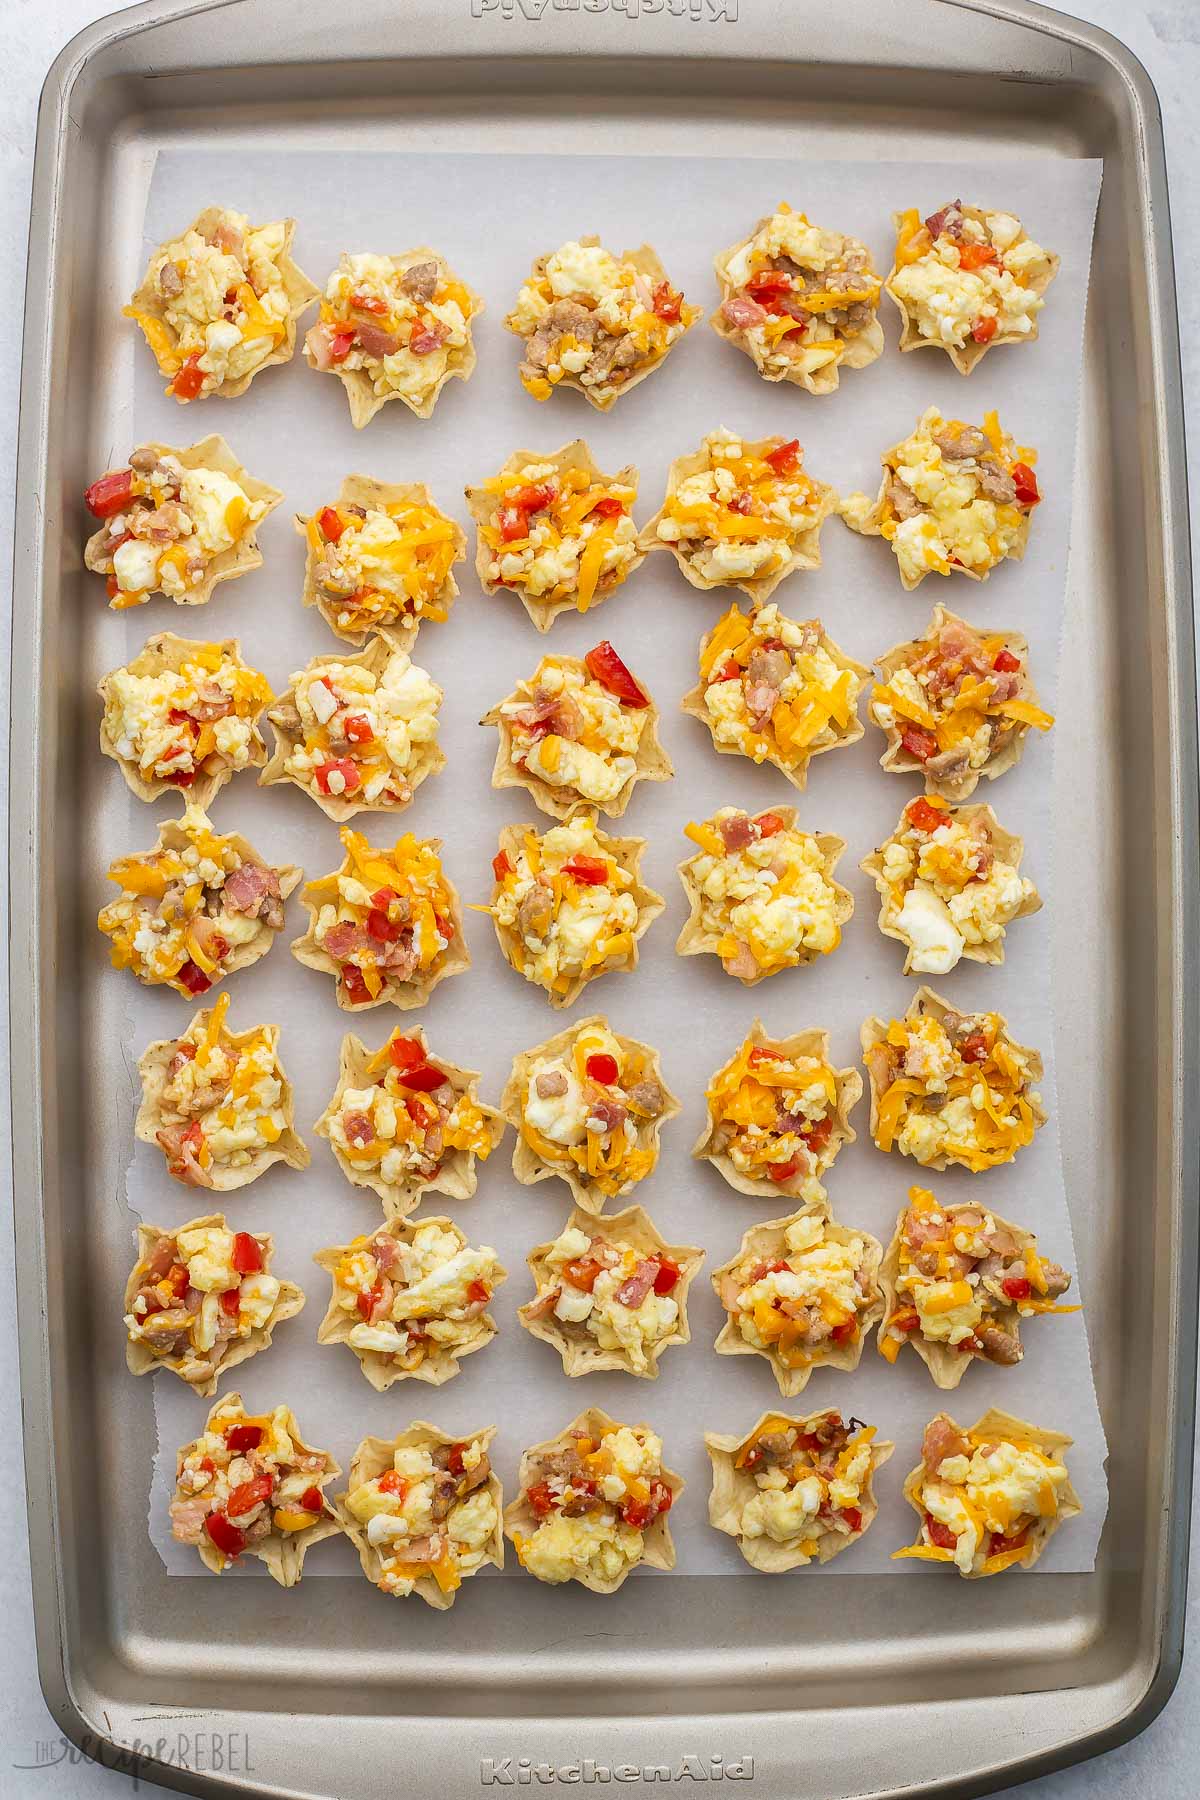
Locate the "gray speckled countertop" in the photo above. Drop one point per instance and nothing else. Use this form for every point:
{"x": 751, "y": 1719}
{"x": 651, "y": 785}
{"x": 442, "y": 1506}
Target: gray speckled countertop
{"x": 1166, "y": 36}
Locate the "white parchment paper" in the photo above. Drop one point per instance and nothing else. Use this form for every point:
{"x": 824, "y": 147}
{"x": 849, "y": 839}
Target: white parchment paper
{"x": 490, "y": 216}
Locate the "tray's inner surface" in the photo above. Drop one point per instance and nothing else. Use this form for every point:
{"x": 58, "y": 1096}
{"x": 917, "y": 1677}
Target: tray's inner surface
{"x": 154, "y": 1637}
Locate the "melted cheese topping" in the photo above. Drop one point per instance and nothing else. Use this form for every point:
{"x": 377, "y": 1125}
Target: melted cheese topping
{"x": 945, "y": 888}
{"x": 775, "y": 1116}
{"x": 739, "y": 517}
{"x": 390, "y": 566}
{"x": 935, "y": 1103}
{"x": 811, "y": 707}
{"x": 982, "y": 284}
{"x": 397, "y": 1509}
{"x": 556, "y": 926}
{"x": 411, "y": 1299}
{"x": 362, "y": 733}
{"x": 597, "y": 1130}
{"x": 230, "y": 311}
{"x": 163, "y": 724}
{"x": 559, "y": 534}
{"x": 806, "y": 1301}
{"x": 428, "y": 337}
{"x": 386, "y": 917}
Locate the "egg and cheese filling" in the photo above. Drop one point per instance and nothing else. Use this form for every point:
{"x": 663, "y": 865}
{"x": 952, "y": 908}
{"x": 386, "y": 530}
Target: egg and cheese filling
{"x": 359, "y": 733}
{"x": 774, "y": 1117}
{"x": 182, "y": 913}
{"x": 201, "y": 1288}
{"x": 800, "y": 294}
{"x": 588, "y": 1111}
{"x": 386, "y": 917}
{"x": 409, "y": 1120}
{"x": 766, "y": 896}
{"x": 962, "y": 274}
{"x": 246, "y": 1478}
{"x": 955, "y": 1087}
{"x": 804, "y": 1302}
{"x": 577, "y": 726}
{"x": 589, "y": 314}
{"x": 610, "y": 1292}
{"x": 412, "y": 1299}
{"x": 957, "y": 700}
{"x": 944, "y": 886}
{"x": 742, "y": 515}
{"x": 382, "y": 565}
{"x": 403, "y": 322}
{"x": 563, "y": 904}
{"x": 982, "y": 1497}
{"x": 810, "y": 1481}
{"x": 559, "y": 534}
{"x": 223, "y": 1102}
{"x": 431, "y": 1513}
{"x": 178, "y": 724}
{"x": 958, "y": 496}
{"x": 225, "y": 305}
{"x": 164, "y": 526}
{"x": 593, "y": 1500}
{"x": 961, "y": 1278}
{"x": 772, "y": 689}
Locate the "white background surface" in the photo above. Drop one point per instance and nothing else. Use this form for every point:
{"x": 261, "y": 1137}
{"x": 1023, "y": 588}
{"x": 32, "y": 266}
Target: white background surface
{"x": 1167, "y": 38}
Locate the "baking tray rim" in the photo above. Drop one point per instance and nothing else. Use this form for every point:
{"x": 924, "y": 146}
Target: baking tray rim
{"x": 50, "y": 1614}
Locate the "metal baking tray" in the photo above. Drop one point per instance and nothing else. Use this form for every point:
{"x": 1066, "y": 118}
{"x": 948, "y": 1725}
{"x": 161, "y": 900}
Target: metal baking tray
{"x": 856, "y": 1695}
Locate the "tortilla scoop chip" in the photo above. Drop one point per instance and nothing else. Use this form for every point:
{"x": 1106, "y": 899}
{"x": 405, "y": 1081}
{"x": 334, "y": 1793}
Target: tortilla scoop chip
{"x": 375, "y": 1455}
{"x": 580, "y": 1350}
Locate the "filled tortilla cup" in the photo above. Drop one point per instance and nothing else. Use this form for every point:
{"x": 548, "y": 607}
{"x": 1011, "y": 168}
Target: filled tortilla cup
{"x": 201, "y": 1370}
{"x": 420, "y": 561}
{"x": 574, "y": 480}
{"x": 750, "y": 959}
{"x": 418, "y": 1355}
{"x": 603, "y": 1164}
{"x": 768, "y": 1243}
{"x": 536, "y": 725}
{"x": 627, "y": 1235}
{"x": 895, "y": 1096}
{"x": 292, "y": 735}
{"x": 208, "y": 768}
{"x": 983, "y": 909}
{"x": 466, "y": 1129}
{"x": 241, "y": 556}
{"x": 522, "y": 1521}
{"x": 748, "y": 1063}
{"x": 149, "y": 306}
{"x": 373, "y": 1458}
{"x": 992, "y": 1426}
{"x": 802, "y": 541}
{"x": 735, "y": 1459}
{"x": 282, "y": 1549}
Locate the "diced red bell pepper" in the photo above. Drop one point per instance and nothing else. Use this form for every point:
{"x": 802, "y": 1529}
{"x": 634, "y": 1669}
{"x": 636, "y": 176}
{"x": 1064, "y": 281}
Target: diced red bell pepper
{"x": 605, "y": 666}
{"x": 974, "y": 1048}
{"x": 602, "y": 1068}
{"x": 939, "y": 1534}
{"x": 112, "y": 587}
{"x": 541, "y": 1500}
{"x": 340, "y": 345}
{"x": 312, "y": 1500}
{"x": 193, "y": 978}
{"x": 983, "y": 329}
{"x": 358, "y": 730}
{"x": 247, "y": 1253}
{"x": 581, "y": 1272}
{"x": 354, "y": 984}
{"x": 513, "y": 524}
{"x": 608, "y": 507}
{"x": 668, "y": 1275}
{"x": 454, "y": 1461}
{"x": 853, "y": 1517}
{"x": 240, "y": 1438}
{"x": 817, "y": 1135}
{"x": 111, "y": 494}
{"x": 533, "y": 497}
{"x": 785, "y": 458}
{"x": 383, "y": 929}
{"x": 1025, "y": 482}
{"x": 762, "y": 1053}
{"x": 392, "y": 1482}
{"x": 368, "y": 303}
{"x": 224, "y": 1536}
{"x": 366, "y": 1301}
{"x": 743, "y": 503}
{"x": 637, "y": 1513}
{"x": 384, "y": 897}
{"x": 349, "y": 771}
{"x": 918, "y": 742}
{"x": 1016, "y": 1541}
{"x": 767, "y": 284}
{"x": 330, "y": 523}
{"x": 1016, "y": 1287}
{"x": 248, "y": 1494}
{"x": 502, "y": 865}
{"x": 589, "y": 871}
{"x": 907, "y": 1320}
{"x": 423, "y": 1078}
{"x": 846, "y": 1332}
{"x": 922, "y": 814}
{"x": 478, "y": 1290}
{"x": 231, "y": 1301}
{"x": 405, "y": 1052}
{"x": 769, "y": 824}
{"x": 181, "y": 778}
{"x": 976, "y": 256}
{"x": 667, "y": 301}
{"x": 730, "y": 670}
{"x": 1006, "y": 662}
{"x": 783, "y": 1171}
{"x": 189, "y": 379}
